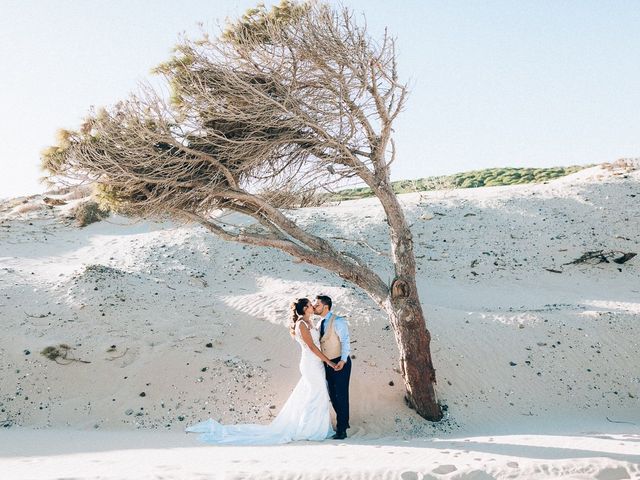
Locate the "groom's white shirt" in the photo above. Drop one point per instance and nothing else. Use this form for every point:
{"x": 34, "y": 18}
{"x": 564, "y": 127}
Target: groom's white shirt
{"x": 342, "y": 330}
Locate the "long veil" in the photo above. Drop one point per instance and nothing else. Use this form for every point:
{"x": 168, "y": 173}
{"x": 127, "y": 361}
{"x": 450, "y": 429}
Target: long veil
{"x": 304, "y": 416}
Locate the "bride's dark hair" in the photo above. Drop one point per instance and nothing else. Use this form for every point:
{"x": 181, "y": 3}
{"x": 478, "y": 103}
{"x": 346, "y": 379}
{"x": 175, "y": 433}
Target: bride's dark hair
{"x": 297, "y": 310}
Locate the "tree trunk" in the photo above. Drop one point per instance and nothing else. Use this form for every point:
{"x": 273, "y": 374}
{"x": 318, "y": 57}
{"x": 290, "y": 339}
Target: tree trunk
{"x": 413, "y": 340}
{"x": 404, "y": 309}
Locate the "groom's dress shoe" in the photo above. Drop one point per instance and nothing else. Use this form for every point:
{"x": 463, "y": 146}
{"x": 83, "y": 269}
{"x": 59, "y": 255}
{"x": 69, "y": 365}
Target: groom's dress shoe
{"x": 340, "y": 436}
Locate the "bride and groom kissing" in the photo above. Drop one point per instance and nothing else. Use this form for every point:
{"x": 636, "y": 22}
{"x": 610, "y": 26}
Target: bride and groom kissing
{"x": 325, "y": 369}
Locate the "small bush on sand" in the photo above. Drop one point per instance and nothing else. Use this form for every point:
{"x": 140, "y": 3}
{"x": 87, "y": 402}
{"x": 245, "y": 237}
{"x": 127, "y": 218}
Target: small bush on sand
{"x": 88, "y": 212}
{"x": 623, "y": 164}
{"x": 60, "y": 354}
{"x": 53, "y": 353}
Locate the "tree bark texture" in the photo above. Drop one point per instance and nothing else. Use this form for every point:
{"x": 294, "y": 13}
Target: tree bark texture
{"x": 405, "y": 311}
{"x": 413, "y": 340}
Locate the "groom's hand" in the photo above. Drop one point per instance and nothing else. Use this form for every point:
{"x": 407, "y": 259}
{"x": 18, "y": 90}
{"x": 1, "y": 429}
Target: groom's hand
{"x": 339, "y": 366}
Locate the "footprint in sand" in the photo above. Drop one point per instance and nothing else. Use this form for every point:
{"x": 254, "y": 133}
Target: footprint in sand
{"x": 475, "y": 475}
{"x": 444, "y": 469}
{"x": 513, "y": 464}
{"x": 409, "y": 475}
{"x": 612, "y": 473}
{"x": 125, "y": 356}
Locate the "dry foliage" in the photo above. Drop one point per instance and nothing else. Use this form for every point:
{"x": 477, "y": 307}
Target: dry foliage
{"x": 60, "y": 354}
{"x": 75, "y": 193}
{"x": 27, "y": 208}
{"x": 602, "y": 256}
{"x": 625, "y": 165}
{"x": 86, "y": 213}
{"x": 281, "y": 106}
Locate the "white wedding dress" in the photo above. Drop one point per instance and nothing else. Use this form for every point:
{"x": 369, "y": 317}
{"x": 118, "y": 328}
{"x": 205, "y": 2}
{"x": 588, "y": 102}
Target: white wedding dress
{"x": 304, "y": 416}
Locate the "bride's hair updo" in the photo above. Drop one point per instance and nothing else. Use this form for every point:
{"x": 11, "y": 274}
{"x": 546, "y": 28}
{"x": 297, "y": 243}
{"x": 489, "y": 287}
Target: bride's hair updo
{"x": 297, "y": 310}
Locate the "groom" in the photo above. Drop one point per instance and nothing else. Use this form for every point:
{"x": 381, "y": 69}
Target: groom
{"x": 334, "y": 343}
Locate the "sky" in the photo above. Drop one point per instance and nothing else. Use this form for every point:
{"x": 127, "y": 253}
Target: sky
{"x": 494, "y": 83}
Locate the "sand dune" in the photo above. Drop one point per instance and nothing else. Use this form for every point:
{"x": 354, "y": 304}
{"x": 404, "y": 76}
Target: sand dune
{"x": 537, "y": 358}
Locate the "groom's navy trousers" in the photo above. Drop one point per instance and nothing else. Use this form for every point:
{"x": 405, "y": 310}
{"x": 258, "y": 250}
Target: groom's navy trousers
{"x": 338, "y": 383}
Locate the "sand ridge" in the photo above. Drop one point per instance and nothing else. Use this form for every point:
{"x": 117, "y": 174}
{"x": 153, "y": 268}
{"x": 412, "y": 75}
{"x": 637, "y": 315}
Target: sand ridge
{"x": 178, "y": 325}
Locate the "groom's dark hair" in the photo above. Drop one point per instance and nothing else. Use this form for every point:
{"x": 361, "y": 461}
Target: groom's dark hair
{"x": 325, "y": 300}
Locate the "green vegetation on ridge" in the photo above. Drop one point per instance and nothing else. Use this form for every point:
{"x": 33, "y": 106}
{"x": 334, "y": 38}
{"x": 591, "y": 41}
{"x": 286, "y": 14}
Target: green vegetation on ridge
{"x": 488, "y": 177}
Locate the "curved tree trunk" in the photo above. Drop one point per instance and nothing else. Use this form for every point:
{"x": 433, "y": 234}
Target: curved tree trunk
{"x": 413, "y": 340}
{"x": 404, "y": 309}
{"x": 320, "y": 95}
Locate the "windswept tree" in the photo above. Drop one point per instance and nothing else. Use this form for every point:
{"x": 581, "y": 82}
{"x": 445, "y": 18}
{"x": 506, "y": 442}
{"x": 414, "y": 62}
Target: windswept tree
{"x": 281, "y": 104}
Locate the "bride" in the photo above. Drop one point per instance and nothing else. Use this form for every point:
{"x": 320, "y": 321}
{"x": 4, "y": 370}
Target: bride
{"x": 305, "y": 415}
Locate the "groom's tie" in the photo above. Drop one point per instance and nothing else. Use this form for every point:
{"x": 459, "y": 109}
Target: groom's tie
{"x": 322, "y": 328}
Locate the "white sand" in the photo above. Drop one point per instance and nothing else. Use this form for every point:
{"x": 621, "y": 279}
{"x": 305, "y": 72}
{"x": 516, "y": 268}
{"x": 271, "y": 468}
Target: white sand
{"x": 155, "y": 455}
{"x": 536, "y": 368}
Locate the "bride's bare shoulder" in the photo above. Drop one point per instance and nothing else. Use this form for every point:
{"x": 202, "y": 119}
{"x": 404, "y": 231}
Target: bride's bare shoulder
{"x": 302, "y": 322}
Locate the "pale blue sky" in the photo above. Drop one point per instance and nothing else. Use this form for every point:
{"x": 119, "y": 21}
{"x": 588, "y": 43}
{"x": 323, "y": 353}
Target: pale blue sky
{"x": 494, "y": 83}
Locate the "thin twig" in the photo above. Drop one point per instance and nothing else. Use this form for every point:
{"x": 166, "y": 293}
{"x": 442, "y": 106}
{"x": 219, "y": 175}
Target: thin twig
{"x": 71, "y": 360}
{"x": 618, "y": 421}
{"x": 119, "y": 356}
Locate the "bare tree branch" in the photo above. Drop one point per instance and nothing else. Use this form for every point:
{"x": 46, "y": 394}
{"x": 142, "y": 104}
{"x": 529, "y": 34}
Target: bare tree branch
{"x": 281, "y": 105}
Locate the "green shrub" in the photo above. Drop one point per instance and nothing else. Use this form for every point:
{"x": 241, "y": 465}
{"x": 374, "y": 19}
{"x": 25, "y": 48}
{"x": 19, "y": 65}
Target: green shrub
{"x": 473, "y": 179}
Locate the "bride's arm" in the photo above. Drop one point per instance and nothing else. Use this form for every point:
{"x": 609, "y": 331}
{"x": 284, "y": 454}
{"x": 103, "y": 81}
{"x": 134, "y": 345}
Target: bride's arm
{"x": 306, "y": 336}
